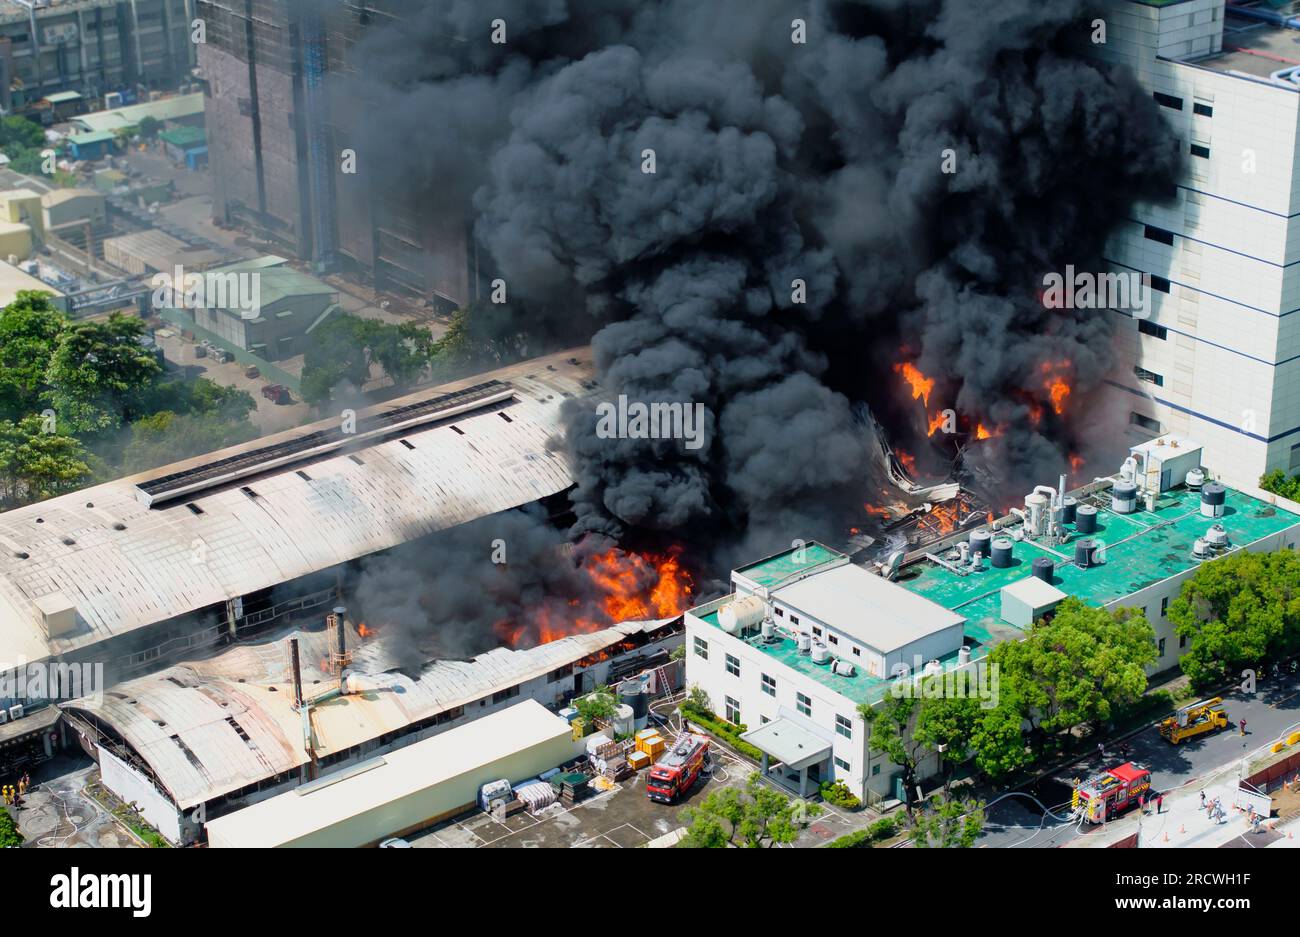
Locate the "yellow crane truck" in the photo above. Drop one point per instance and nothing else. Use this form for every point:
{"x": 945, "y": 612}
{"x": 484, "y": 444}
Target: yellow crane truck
{"x": 1195, "y": 719}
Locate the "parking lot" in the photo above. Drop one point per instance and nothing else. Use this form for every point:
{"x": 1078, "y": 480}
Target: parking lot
{"x": 621, "y": 818}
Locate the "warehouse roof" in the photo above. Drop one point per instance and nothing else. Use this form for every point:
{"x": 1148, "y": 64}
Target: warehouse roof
{"x": 213, "y": 726}
{"x": 277, "y": 281}
{"x": 12, "y": 280}
{"x": 125, "y": 564}
{"x": 59, "y": 196}
{"x": 120, "y": 118}
{"x": 289, "y": 817}
{"x": 93, "y": 136}
{"x": 867, "y": 608}
{"x": 184, "y": 137}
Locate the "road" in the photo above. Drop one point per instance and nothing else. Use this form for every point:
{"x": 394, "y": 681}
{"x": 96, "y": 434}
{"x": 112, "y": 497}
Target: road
{"x": 1274, "y": 707}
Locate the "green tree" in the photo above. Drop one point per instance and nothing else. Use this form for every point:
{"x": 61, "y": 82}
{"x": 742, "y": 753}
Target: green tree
{"x": 947, "y": 727}
{"x": 997, "y": 736}
{"x": 891, "y": 724}
{"x": 29, "y": 332}
{"x": 98, "y": 372}
{"x": 597, "y": 705}
{"x": 335, "y": 354}
{"x": 165, "y": 437}
{"x": 1241, "y": 610}
{"x": 36, "y": 464}
{"x": 948, "y": 823}
{"x": 9, "y": 835}
{"x": 1280, "y": 483}
{"x": 755, "y": 817}
{"x": 402, "y": 351}
{"x": 148, "y": 127}
{"x": 1078, "y": 667}
{"x": 22, "y": 133}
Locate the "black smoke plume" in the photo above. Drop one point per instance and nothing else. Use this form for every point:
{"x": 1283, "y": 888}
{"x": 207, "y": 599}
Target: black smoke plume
{"x": 780, "y": 168}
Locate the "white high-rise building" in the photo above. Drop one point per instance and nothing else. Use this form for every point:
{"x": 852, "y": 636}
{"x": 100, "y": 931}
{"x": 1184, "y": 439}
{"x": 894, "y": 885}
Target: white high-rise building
{"x": 1218, "y": 356}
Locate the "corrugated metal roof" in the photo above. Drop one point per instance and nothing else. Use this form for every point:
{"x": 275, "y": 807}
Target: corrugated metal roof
{"x": 167, "y": 561}
{"x": 179, "y": 719}
{"x": 173, "y": 108}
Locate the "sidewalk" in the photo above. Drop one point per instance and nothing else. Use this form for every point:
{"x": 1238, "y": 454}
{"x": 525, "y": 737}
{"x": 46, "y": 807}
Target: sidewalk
{"x": 1185, "y": 824}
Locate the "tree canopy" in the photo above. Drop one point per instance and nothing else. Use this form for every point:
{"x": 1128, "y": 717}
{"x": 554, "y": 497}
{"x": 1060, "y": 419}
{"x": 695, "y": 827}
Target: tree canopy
{"x": 1241, "y": 610}
{"x": 87, "y": 398}
{"x": 754, "y": 817}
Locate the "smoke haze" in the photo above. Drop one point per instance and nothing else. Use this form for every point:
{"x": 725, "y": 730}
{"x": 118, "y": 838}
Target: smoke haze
{"x": 777, "y": 162}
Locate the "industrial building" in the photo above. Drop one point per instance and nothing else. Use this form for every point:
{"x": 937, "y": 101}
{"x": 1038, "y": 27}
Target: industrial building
{"x": 205, "y": 738}
{"x": 805, "y": 636}
{"x": 280, "y": 178}
{"x": 97, "y": 47}
{"x": 23, "y": 206}
{"x": 13, "y": 281}
{"x": 177, "y": 110}
{"x": 408, "y": 789}
{"x": 143, "y": 571}
{"x": 292, "y": 304}
{"x": 152, "y": 251}
{"x": 1221, "y": 261}
{"x": 72, "y": 208}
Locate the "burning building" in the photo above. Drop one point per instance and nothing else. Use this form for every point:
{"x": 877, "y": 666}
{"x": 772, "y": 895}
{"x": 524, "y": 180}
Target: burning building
{"x": 143, "y": 571}
{"x": 201, "y": 739}
{"x": 807, "y": 636}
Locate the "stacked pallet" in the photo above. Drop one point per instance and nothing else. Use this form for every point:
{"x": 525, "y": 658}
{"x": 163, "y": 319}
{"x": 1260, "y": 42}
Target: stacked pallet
{"x": 571, "y": 786}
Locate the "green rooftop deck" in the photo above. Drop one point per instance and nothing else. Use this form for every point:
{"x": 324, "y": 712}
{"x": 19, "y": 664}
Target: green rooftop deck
{"x": 1142, "y": 549}
{"x": 776, "y": 569}
{"x": 860, "y": 688}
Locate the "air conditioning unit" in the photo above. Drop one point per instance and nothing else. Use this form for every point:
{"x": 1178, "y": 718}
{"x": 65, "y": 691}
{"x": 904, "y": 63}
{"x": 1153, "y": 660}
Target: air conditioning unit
{"x": 4, "y": 717}
{"x": 16, "y": 712}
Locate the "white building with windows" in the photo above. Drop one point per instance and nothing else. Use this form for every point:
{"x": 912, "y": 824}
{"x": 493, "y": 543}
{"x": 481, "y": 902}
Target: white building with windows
{"x": 804, "y": 639}
{"x": 806, "y": 636}
{"x": 1218, "y": 357}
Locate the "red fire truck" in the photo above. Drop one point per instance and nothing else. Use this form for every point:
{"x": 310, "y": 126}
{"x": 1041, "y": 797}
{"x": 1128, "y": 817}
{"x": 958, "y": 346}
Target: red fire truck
{"x": 673, "y": 774}
{"x": 1105, "y": 796}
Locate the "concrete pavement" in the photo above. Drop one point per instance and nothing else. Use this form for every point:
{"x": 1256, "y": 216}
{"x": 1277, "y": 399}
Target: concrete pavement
{"x": 1272, "y": 709}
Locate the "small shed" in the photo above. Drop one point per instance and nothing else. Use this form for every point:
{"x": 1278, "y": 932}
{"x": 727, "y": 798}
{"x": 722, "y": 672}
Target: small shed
{"x": 93, "y": 145}
{"x": 1028, "y": 600}
{"x": 188, "y": 145}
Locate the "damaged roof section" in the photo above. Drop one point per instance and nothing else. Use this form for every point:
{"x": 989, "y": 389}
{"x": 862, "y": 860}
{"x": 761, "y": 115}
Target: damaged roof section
{"x": 121, "y": 564}
{"x": 211, "y": 727}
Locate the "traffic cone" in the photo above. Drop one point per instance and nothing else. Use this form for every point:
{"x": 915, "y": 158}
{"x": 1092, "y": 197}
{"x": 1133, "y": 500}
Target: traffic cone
{"x": 1166, "y": 836}
{"x": 1182, "y": 827}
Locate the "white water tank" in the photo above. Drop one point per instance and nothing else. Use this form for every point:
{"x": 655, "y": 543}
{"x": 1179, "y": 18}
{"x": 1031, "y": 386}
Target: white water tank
{"x": 624, "y": 720}
{"x": 741, "y": 614}
{"x": 1036, "y": 507}
{"x": 769, "y": 629}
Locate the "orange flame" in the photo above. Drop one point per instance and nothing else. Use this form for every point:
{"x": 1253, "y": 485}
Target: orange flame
{"x": 630, "y": 586}
{"x": 1076, "y": 461}
{"x": 920, "y": 384}
{"x": 1055, "y": 383}
{"x": 907, "y": 459}
{"x": 364, "y": 631}
{"x": 936, "y": 423}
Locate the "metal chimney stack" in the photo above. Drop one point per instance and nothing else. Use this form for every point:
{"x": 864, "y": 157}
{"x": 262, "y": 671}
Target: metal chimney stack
{"x": 296, "y": 670}
{"x": 341, "y": 637}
